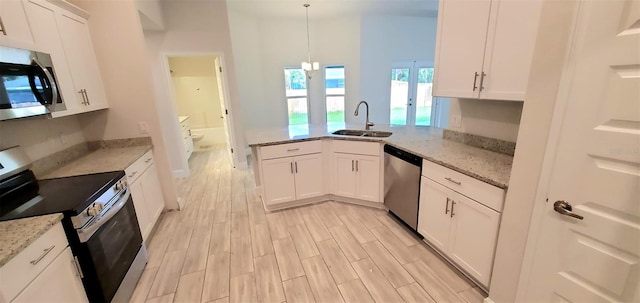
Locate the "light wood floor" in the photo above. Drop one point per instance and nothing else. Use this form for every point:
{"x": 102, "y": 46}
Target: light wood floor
{"x": 223, "y": 248}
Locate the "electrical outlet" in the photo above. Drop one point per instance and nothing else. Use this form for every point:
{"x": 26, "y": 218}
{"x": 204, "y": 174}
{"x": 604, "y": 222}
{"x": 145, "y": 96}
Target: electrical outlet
{"x": 456, "y": 121}
{"x": 143, "y": 127}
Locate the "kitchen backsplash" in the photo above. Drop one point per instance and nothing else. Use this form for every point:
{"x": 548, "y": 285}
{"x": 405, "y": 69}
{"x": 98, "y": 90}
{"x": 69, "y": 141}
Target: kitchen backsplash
{"x": 42, "y": 166}
{"x": 496, "y": 145}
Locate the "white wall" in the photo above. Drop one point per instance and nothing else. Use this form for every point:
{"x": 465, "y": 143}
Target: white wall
{"x": 150, "y": 14}
{"x": 366, "y": 46}
{"x": 39, "y": 136}
{"x": 196, "y": 90}
{"x": 385, "y": 40}
{"x": 263, "y": 47}
{"x": 192, "y": 27}
{"x": 544, "y": 80}
{"x": 494, "y": 119}
{"x": 126, "y": 73}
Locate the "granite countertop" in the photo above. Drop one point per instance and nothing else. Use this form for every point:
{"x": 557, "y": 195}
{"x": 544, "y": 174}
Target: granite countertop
{"x": 101, "y": 160}
{"x": 427, "y": 142}
{"x": 16, "y": 235}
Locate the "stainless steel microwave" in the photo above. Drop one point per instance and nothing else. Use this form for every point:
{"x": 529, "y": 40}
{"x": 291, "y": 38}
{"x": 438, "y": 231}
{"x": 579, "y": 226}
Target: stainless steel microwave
{"x": 28, "y": 85}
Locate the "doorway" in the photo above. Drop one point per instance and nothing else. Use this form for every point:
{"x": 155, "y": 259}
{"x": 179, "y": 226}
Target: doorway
{"x": 411, "y": 102}
{"x": 200, "y": 97}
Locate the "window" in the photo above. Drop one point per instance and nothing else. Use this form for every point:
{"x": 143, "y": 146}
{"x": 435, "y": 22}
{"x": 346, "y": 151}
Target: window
{"x": 411, "y": 101}
{"x": 334, "y": 93}
{"x": 295, "y": 85}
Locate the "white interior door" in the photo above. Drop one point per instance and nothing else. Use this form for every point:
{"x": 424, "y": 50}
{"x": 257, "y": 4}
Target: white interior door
{"x": 224, "y": 108}
{"x": 597, "y": 167}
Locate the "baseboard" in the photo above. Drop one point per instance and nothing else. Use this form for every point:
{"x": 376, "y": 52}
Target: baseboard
{"x": 322, "y": 198}
{"x": 180, "y": 173}
{"x": 181, "y": 203}
{"x": 242, "y": 165}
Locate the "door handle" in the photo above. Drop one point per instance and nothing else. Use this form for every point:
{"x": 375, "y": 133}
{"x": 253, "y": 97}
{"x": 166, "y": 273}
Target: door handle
{"x": 357, "y": 164}
{"x": 296, "y": 166}
{"x": 453, "y": 203}
{"x": 291, "y": 164}
{"x": 565, "y": 208}
{"x": 352, "y": 165}
{"x": 475, "y": 80}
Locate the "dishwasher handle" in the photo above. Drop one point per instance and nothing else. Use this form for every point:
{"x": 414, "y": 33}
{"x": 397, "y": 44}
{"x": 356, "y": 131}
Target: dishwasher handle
{"x": 403, "y": 155}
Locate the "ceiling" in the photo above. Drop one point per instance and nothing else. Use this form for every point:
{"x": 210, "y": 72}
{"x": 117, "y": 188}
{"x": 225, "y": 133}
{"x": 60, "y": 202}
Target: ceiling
{"x": 321, "y": 9}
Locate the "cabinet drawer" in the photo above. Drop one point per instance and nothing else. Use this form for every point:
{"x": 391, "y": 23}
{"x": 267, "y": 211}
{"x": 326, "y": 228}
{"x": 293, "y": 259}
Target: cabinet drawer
{"x": 291, "y": 149}
{"x": 21, "y": 270}
{"x": 137, "y": 168}
{"x": 356, "y": 147}
{"x": 475, "y": 189}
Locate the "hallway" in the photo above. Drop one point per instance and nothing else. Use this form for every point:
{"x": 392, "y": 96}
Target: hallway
{"x": 223, "y": 248}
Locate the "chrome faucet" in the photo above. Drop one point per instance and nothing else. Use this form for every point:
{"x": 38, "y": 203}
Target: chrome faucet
{"x": 368, "y": 124}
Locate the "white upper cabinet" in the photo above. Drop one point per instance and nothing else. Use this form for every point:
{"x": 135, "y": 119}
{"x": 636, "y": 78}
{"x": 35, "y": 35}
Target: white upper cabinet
{"x": 65, "y": 36}
{"x": 484, "y": 48}
{"x": 82, "y": 61}
{"x": 14, "y": 28}
{"x": 460, "y": 43}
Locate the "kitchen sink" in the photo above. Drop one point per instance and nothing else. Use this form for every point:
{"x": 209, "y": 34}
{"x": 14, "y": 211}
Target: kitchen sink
{"x": 362, "y": 133}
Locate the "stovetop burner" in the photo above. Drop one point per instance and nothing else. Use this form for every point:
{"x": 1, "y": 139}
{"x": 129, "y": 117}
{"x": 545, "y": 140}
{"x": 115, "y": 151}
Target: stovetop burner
{"x": 69, "y": 195}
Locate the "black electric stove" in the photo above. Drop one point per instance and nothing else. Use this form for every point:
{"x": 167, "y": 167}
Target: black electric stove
{"x": 99, "y": 220}
{"x": 23, "y": 196}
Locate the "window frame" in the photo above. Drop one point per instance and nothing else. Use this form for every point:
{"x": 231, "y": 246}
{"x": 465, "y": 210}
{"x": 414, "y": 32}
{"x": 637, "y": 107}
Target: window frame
{"x": 305, "y": 96}
{"x": 326, "y": 95}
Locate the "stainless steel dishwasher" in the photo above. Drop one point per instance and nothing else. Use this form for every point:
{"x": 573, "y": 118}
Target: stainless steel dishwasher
{"x": 402, "y": 184}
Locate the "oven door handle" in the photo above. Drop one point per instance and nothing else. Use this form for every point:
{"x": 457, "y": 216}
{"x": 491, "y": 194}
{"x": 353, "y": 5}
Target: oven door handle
{"x": 85, "y": 233}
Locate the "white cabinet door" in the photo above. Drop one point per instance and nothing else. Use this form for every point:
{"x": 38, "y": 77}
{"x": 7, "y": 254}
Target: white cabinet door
{"x": 510, "y": 43}
{"x": 140, "y": 204}
{"x": 59, "y": 282}
{"x": 474, "y": 232}
{"x": 308, "y": 176}
{"x": 42, "y": 19}
{"x": 154, "y": 200}
{"x": 15, "y": 28}
{"x": 461, "y": 37}
{"x": 81, "y": 57}
{"x": 345, "y": 175}
{"x": 434, "y": 217}
{"x": 368, "y": 178}
{"x": 278, "y": 177}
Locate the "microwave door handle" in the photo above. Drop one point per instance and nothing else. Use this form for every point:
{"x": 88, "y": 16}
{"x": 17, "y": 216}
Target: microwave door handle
{"x": 52, "y": 83}
{"x": 32, "y": 82}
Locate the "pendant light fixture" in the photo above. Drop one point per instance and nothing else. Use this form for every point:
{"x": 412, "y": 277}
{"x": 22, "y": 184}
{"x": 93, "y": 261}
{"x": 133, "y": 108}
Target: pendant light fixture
{"x": 309, "y": 66}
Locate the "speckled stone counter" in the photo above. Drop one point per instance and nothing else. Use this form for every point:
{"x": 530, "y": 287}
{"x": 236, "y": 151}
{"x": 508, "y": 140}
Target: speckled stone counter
{"x": 427, "y": 142}
{"x": 101, "y": 160}
{"x": 16, "y": 235}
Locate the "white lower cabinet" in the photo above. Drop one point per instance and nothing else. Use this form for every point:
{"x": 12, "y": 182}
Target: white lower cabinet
{"x": 59, "y": 282}
{"x": 146, "y": 190}
{"x": 357, "y": 176}
{"x": 292, "y": 178}
{"x": 44, "y": 271}
{"x": 461, "y": 228}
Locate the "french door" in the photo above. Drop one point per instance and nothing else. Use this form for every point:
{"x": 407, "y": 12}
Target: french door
{"x": 411, "y": 102}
